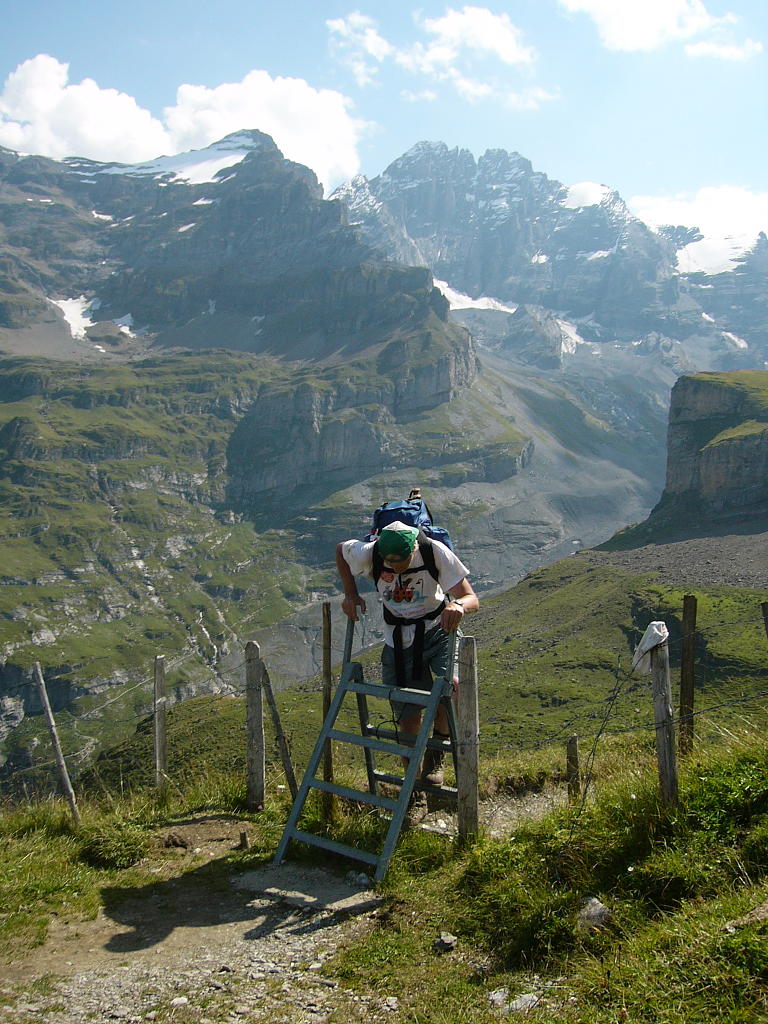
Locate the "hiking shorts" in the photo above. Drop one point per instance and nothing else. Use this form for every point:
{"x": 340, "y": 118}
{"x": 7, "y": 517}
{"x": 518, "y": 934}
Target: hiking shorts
{"x": 437, "y": 652}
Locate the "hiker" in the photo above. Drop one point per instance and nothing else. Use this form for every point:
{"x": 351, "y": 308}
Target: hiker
{"x": 426, "y": 594}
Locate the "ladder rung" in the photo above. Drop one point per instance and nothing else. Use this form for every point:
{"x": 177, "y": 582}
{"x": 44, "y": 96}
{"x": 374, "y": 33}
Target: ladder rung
{"x": 372, "y": 742}
{"x": 401, "y": 737}
{"x": 401, "y": 693}
{"x": 340, "y": 848}
{"x": 354, "y": 794}
{"x": 449, "y": 792}
{"x": 393, "y": 780}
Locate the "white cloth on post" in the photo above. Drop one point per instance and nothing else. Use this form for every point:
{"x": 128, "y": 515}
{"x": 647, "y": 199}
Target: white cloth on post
{"x": 656, "y": 633}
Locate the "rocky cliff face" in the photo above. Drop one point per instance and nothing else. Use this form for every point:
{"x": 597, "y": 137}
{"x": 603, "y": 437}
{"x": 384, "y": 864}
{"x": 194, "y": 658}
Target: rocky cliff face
{"x": 334, "y": 431}
{"x": 496, "y": 227}
{"x": 718, "y": 447}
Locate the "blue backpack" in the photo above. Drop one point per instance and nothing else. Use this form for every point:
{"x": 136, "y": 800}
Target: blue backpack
{"x": 413, "y": 512}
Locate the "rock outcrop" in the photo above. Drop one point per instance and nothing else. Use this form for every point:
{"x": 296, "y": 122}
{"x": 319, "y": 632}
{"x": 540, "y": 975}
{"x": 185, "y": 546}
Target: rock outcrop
{"x": 717, "y": 448}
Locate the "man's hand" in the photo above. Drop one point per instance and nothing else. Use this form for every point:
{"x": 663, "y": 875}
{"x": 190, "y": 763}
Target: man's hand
{"x": 451, "y": 616}
{"x": 350, "y": 604}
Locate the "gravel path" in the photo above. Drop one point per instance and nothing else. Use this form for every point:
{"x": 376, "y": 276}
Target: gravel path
{"x": 253, "y": 954}
{"x": 731, "y": 560}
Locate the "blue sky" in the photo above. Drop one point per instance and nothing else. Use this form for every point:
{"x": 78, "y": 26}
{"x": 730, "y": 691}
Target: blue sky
{"x": 663, "y": 100}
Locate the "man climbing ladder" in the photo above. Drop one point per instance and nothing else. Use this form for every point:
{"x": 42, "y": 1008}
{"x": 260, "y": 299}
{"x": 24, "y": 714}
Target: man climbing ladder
{"x": 425, "y": 592}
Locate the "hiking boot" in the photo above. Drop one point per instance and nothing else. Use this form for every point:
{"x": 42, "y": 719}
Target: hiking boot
{"x": 417, "y": 810}
{"x": 432, "y": 768}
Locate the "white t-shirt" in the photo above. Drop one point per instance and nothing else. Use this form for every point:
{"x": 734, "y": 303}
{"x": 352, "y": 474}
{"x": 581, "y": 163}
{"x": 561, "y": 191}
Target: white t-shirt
{"x": 414, "y": 593}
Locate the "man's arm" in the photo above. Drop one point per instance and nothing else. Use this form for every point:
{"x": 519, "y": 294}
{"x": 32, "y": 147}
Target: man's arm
{"x": 463, "y": 599}
{"x": 352, "y": 600}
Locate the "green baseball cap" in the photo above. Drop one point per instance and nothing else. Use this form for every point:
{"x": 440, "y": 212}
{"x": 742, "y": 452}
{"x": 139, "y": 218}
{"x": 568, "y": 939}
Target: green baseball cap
{"x": 397, "y": 541}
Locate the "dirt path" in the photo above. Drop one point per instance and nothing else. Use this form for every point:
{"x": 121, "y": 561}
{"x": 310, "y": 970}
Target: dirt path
{"x": 197, "y": 944}
{"x": 199, "y": 947}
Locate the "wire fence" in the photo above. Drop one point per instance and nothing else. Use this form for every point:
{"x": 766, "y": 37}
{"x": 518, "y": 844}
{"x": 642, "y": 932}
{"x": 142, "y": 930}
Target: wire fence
{"x": 595, "y": 718}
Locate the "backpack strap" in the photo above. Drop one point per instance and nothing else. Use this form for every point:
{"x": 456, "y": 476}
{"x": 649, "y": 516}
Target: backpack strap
{"x": 427, "y": 553}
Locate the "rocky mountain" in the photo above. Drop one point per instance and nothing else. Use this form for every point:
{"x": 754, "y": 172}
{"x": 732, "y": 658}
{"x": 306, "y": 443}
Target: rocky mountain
{"x": 495, "y": 227}
{"x": 233, "y": 246}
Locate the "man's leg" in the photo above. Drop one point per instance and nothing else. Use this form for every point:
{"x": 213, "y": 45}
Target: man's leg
{"x": 407, "y": 718}
{"x": 437, "y": 655}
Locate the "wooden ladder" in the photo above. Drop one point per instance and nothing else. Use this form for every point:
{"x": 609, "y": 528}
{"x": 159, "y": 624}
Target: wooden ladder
{"x": 373, "y": 738}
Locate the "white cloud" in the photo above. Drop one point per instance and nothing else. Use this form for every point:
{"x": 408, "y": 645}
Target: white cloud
{"x": 725, "y": 51}
{"x": 729, "y": 217}
{"x": 358, "y": 44}
{"x": 470, "y": 88}
{"x": 311, "y": 126}
{"x": 42, "y": 113}
{"x": 647, "y": 24}
{"x": 424, "y": 96}
{"x": 472, "y": 30}
{"x": 528, "y": 99}
{"x": 714, "y": 209}
{"x": 459, "y": 49}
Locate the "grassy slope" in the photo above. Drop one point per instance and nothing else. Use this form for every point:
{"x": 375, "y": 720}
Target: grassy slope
{"x": 554, "y": 656}
{"x": 114, "y": 548}
{"x": 671, "y": 878}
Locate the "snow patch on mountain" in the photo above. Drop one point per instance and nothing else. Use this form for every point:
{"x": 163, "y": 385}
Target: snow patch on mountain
{"x": 197, "y": 167}
{"x": 584, "y": 193}
{"x": 76, "y": 313}
{"x": 715, "y": 254}
{"x": 734, "y": 340}
{"x": 358, "y": 197}
{"x": 571, "y": 337}
{"x": 457, "y": 300}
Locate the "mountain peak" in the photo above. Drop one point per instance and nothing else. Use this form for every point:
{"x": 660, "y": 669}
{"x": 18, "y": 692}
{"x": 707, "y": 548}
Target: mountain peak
{"x": 196, "y": 166}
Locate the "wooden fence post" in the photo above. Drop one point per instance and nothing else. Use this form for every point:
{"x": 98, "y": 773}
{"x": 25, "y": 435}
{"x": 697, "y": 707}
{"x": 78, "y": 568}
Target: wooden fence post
{"x": 468, "y": 746}
{"x": 255, "y": 757}
{"x": 282, "y": 743}
{"x": 764, "y": 610}
{"x": 60, "y": 762}
{"x": 161, "y": 751}
{"x": 687, "y": 674}
{"x": 572, "y": 769}
{"x": 328, "y": 799}
{"x": 665, "y": 726}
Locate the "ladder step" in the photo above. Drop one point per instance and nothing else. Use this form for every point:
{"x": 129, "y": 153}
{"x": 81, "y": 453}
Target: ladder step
{"x": 391, "y": 734}
{"x": 401, "y": 693}
{"x": 341, "y": 848}
{"x": 354, "y": 794}
{"x": 449, "y": 792}
{"x": 373, "y": 742}
{"x": 392, "y": 780}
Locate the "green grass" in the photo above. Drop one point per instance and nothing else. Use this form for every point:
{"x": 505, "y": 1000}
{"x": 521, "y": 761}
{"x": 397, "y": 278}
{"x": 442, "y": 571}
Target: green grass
{"x": 671, "y": 878}
{"x": 749, "y": 428}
